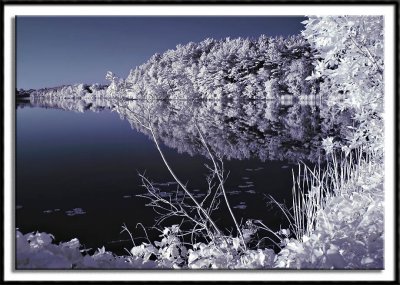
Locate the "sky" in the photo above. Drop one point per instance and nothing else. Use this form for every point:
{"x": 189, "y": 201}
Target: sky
{"x": 53, "y": 51}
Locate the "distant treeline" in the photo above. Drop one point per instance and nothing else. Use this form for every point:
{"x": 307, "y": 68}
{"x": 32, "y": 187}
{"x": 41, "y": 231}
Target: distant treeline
{"x": 66, "y": 91}
{"x": 211, "y": 69}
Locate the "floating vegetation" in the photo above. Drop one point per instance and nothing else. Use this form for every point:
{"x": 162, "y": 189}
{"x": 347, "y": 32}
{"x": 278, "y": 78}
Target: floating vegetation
{"x": 75, "y": 211}
{"x": 241, "y": 206}
{"x": 51, "y": 211}
{"x": 245, "y": 186}
{"x": 165, "y": 183}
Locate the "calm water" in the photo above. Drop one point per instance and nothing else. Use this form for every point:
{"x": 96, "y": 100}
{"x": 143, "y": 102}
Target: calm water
{"x": 89, "y": 161}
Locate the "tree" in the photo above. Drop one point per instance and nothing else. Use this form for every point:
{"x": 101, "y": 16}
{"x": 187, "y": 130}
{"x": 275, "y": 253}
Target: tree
{"x": 350, "y": 68}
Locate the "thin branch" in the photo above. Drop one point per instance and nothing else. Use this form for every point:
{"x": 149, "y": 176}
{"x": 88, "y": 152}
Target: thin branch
{"x": 221, "y": 180}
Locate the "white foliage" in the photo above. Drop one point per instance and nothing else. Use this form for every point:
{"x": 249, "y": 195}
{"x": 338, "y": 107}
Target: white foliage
{"x": 350, "y": 66}
{"x": 229, "y": 68}
{"x": 36, "y": 251}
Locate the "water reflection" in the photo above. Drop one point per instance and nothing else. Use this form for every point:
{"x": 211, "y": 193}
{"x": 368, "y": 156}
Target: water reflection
{"x": 246, "y": 133}
{"x": 267, "y": 130}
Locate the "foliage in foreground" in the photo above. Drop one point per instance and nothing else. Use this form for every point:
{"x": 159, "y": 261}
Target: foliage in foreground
{"x": 338, "y": 218}
{"x": 348, "y": 235}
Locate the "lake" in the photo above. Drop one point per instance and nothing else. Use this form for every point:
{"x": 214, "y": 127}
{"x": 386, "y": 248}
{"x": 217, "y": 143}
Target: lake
{"x": 77, "y": 162}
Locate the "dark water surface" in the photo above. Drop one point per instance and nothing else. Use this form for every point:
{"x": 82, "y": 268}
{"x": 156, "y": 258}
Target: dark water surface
{"x": 89, "y": 162}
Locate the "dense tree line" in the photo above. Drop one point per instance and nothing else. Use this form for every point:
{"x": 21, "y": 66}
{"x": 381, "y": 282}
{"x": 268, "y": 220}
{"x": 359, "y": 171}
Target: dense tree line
{"x": 229, "y": 68}
{"x": 211, "y": 69}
